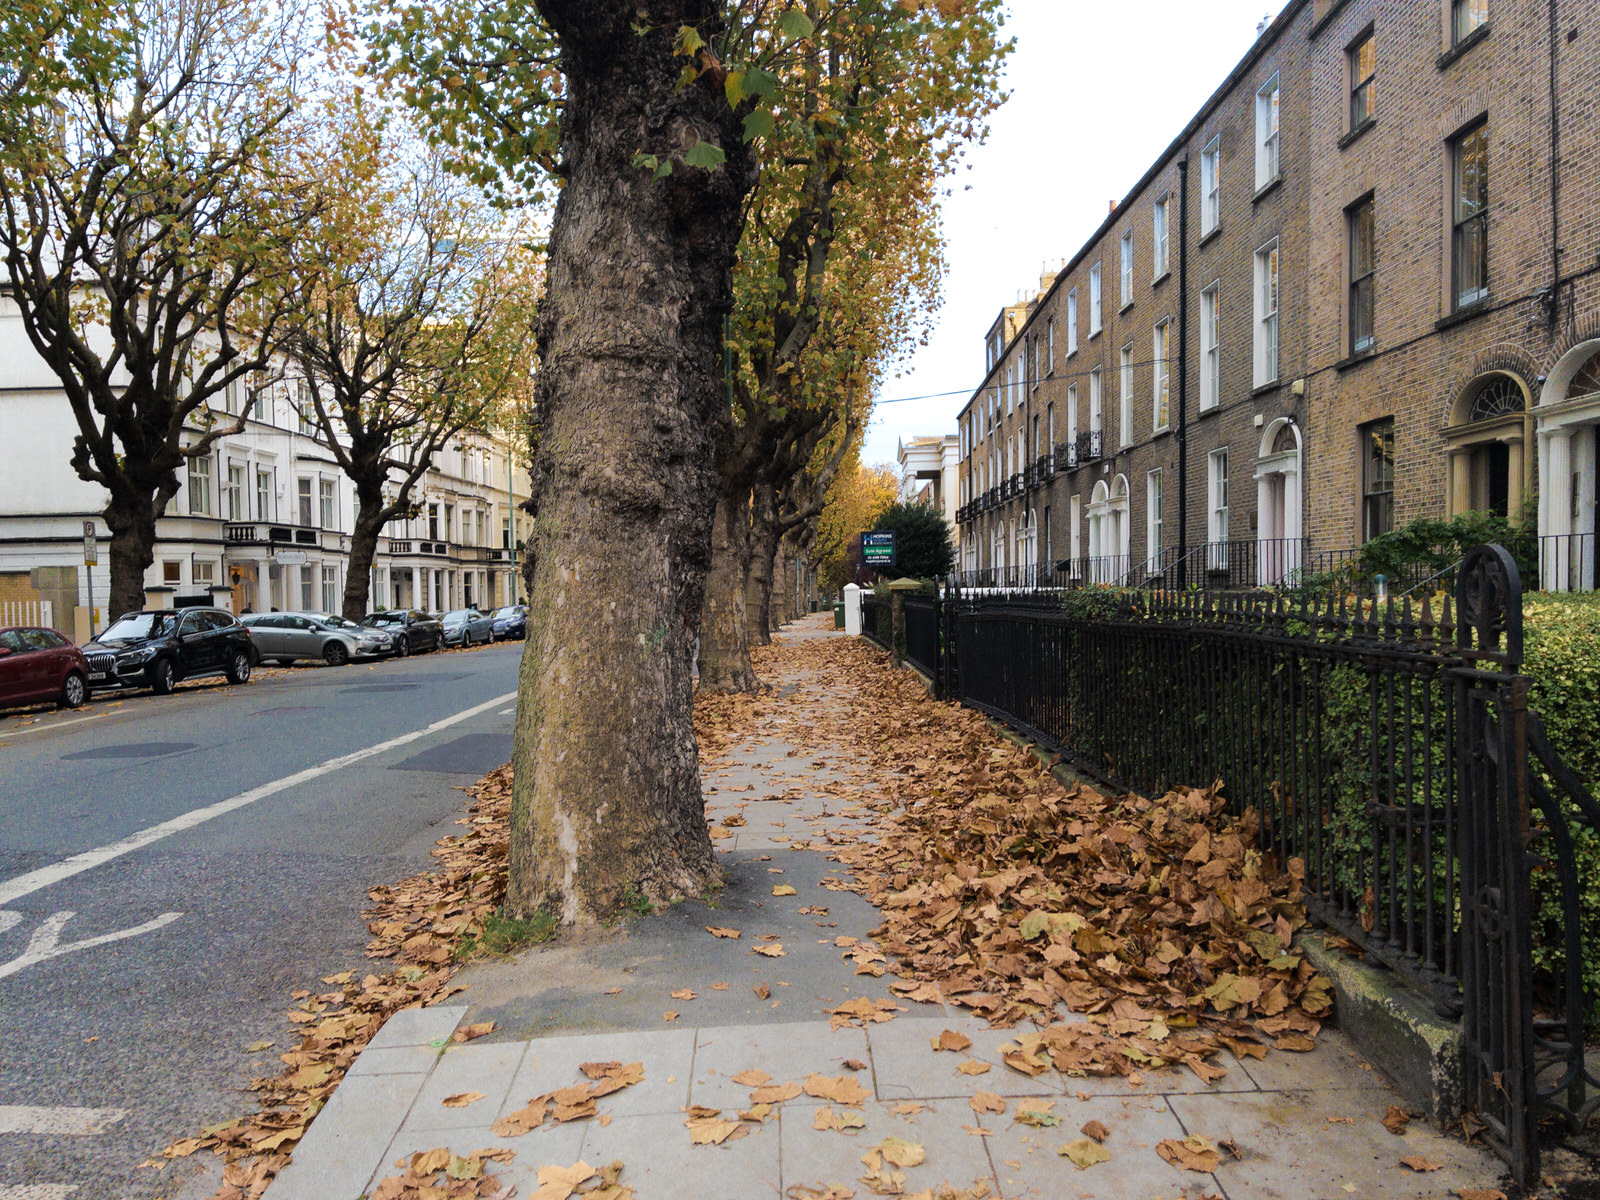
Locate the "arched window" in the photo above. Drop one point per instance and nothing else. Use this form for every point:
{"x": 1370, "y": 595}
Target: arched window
{"x": 1489, "y": 442}
{"x": 1498, "y": 396}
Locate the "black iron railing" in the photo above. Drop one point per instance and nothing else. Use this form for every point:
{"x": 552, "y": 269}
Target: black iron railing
{"x": 922, "y": 633}
{"x": 876, "y": 620}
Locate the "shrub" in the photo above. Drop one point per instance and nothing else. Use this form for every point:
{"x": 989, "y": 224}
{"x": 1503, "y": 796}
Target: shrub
{"x": 921, "y": 540}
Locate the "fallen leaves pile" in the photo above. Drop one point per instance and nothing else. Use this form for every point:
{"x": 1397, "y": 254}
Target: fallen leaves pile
{"x": 415, "y": 925}
{"x": 441, "y": 1175}
{"x": 1007, "y": 893}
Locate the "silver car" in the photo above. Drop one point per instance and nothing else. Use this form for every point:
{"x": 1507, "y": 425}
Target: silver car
{"x": 466, "y": 627}
{"x": 284, "y": 637}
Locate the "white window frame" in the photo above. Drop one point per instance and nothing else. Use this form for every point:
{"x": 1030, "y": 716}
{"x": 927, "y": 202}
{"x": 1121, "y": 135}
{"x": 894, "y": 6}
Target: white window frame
{"x": 1268, "y": 303}
{"x": 1096, "y": 300}
{"x": 1127, "y": 268}
{"x": 1152, "y": 519}
{"x": 1217, "y": 500}
{"x": 1269, "y": 146}
{"x": 200, "y": 486}
{"x": 1210, "y": 348}
{"x": 1125, "y": 377}
{"x": 1050, "y": 345}
{"x": 1161, "y": 382}
{"x": 330, "y": 588}
{"x": 328, "y": 504}
{"x": 1097, "y": 400}
{"x": 264, "y": 494}
{"x": 1210, "y": 185}
{"x": 1075, "y": 539}
{"x": 1072, "y": 322}
{"x": 1158, "y": 235}
{"x": 1072, "y": 412}
{"x": 305, "y": 506}
{"x": 233, "y": 493}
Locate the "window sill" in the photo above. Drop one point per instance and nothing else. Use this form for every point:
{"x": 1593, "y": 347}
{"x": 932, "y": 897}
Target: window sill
{"x": 1461, "y": 47}
{"x": 1356, "y": 359}
{"x": 1206, "y": 237}
{"x": 1267, "y": 188}
{"x": 1161, "y": 278}
{"x": 1126, "y": 305}
{"x": 1265, "y": 389}
{"x": 1094, "y": 333}
{"x": 1354, "y": 135}
{"x": 1462, "y": 315}
{"x": 1162, "y": 432}
{"x": 1207, "y": 410}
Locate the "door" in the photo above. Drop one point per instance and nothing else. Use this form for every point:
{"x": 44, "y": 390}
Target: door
{"x": 1274, "y": 522}
{"x": 300, "y": 638}
{"x": 13, "y": 668}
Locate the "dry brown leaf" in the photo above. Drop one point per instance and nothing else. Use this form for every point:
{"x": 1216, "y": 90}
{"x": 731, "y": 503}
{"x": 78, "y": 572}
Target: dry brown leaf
{"x": 468, "y": 1032}
{"x": 784, "y": 889}
{"x": 1096, "y": 1130}
{"x": 986, "y": 1102}
{"x": 775, "y": 1093}
{"x": 842, "y": 1089}
{"x": 949, "y": 1039}
{"x": 773, "y": 950}
{"x": 1420, "y": 1163}
{"x": 973, "y": 1066}
{"x": 710, "y": 1131}
{"x": 762, "y": 991}
{"x": 683, "y": 994}
{"x": 461, "y": 1099}
{"x": 1193, "y": 1153}
{"x": 1396, "y": 1120}
{"x": 669, "y": 1015}
{"x": 721, "y": 932}
{"x": 908, "y": 1108}
{"x": 1084, "y": 1153}
{"x": 754, "y": 1077}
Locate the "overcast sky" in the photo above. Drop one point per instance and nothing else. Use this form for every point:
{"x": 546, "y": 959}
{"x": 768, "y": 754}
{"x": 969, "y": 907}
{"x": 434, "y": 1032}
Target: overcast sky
{"x": 1098, "y": 90}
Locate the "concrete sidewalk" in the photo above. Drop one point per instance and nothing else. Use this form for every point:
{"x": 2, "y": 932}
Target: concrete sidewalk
{"x": 1305, "y": 1126}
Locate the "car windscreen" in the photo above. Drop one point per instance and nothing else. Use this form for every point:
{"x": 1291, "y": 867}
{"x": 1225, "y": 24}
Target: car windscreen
{"x": 136, "y": 626}
{"x": 388, "y": 618}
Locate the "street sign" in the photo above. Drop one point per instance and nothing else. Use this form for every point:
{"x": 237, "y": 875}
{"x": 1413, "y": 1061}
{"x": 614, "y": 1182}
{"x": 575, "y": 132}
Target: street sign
{"x": 290, "y": 558}
{"x": 877, "y": 550}
{"x": 91, "y": 548}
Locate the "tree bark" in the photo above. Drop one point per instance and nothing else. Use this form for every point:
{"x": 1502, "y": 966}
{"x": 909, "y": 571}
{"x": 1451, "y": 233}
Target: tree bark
{"x": 363, "y": 549}
{"x": 725, "y": 636}
{"x": 764, "y": 535}
{"x": 131, "y": 517}
{"x": 607, "y": 785}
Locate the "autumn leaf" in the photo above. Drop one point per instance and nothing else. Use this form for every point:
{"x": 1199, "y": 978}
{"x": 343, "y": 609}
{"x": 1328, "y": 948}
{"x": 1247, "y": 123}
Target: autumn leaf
{"x": 751, "y": 1078}
{"x": 1396, "y": 1120}
{"x": 683, "y": 994}
{"x": 1419, "y": 1163}
{"x": 721, "y": 932}
{"x": 1096, "y": 1130}
{"x": 772, "y": 950}
{"x": 1084, "y": 1153}
{"x": 461, "y": 1099}
{"x": 949, "y": 1039}
{"x": 784, "y": 889}
{"x": 1036, "y": 1113}
{"x": 986, "y": 1102}
{"x": 1193, "y": 1153}
{"x": 973, "y": 1066}
{"x": 468, "y": 1032}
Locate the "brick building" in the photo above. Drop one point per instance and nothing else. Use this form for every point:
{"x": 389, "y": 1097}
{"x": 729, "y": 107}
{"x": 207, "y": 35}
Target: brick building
{"x": 1331, "y": 305}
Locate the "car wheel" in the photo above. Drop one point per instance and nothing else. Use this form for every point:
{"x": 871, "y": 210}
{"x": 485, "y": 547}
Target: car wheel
{"x": 336, "y": 654}
{"x": 162, "y": 678}
{"x": 238, "y": 667}
{"x": 402, "y": 647}
{"x": 74, "y": 690}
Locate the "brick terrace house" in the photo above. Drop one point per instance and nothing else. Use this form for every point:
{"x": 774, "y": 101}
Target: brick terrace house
{"x": 1362, "y": 285}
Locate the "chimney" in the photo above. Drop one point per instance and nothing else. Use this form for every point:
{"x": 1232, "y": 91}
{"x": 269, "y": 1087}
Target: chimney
{"x": 1111, "y": 206}
{"x": 1261, "y": 27}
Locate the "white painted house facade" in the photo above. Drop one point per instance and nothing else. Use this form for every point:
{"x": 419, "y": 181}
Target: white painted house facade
{"x": 263, "y": 520}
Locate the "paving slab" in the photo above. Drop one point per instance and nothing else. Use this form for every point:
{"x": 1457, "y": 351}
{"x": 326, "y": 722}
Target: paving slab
{"x": 662, "y": 1164}
{"x": 348, "y": 1138}
{"x": 418, "y": 1026}
{"x": 488, "y": 1069}
{"x": 785, "y": 1052}
{"x": 667, "y": 1055}
{"x": 815, "y": 1157}
{"x": 908, "y": 1068}
{"x": 551, "y": 1146}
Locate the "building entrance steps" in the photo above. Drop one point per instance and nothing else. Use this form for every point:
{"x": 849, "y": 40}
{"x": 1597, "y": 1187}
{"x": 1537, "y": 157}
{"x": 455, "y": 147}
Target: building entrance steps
{"x": 1301, "y": 1126}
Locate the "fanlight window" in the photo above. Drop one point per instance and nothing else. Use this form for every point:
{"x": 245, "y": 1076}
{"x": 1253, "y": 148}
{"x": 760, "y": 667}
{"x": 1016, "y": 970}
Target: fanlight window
{"x": 1587, "y": 379}
{"x": 1498, "y": 397}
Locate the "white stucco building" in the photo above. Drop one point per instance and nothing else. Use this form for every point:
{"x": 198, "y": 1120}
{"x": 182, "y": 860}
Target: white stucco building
{"x": 262, "y": 521}
{"x": 928, "y": 472}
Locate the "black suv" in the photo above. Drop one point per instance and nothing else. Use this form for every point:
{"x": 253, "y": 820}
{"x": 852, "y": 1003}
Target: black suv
{"x": 412, "y": 630}
{"x": 157, "y": 648}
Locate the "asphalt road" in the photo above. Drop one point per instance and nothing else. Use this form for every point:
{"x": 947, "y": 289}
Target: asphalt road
{"x": 219, "y": 834}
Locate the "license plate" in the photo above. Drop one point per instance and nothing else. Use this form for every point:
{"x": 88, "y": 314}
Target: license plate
{"x": 96, "y": 675}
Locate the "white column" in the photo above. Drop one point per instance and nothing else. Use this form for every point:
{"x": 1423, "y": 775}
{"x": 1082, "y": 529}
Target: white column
{"x": 1555, "y": 508}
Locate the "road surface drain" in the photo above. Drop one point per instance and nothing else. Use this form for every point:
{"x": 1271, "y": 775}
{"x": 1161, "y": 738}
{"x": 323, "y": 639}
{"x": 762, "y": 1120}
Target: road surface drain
{"x": 133, "y": 750}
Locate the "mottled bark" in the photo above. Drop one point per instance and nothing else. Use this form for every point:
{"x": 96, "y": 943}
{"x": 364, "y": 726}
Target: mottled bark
{"x": 725, "y": 634}
{"x": 607, "y": 786}
{"x": 363, "y": 548}
{"x": 131, "y": 518}
{"x": 764, "y": 535}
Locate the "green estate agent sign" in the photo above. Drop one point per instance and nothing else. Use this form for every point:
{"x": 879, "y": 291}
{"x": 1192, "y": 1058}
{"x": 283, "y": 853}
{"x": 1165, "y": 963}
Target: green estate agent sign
{"x": 877, "y": 549}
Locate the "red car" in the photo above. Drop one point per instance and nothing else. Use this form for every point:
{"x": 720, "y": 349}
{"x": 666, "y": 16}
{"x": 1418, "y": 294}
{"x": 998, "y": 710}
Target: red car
{"x": 39, "y": 665}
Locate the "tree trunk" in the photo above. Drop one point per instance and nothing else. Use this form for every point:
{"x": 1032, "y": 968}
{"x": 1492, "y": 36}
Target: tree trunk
{"x": 132, "y": 521}
{"x": 763, "y": 546}
{"x": 725, "y": 637}
{"x": 363, "y": 549}
{"x": 607, "y": 783}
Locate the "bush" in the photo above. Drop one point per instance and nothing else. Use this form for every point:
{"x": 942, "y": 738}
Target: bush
{"x": 1425, "y": 546}
{"x": 921, "y": 540}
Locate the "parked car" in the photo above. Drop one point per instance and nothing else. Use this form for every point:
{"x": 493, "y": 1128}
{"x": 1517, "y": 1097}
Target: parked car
{"x": 39, "y": 665}
{"x": 412, "y": 630}
{"x": 158, "y": 648}
{"x": 510, "y": 622}
{"x": 466, "y": 627}
{"x": 284, "y": 637}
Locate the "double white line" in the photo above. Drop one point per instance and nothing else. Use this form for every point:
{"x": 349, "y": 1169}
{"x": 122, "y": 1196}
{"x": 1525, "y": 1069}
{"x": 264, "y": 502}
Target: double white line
{"x": 23, "y": 885}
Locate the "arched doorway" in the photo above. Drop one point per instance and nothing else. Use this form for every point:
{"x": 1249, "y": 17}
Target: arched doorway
{"x": 1569, "y": 455}
{"x": 1488, "y": 440}
{"x": 1279, "y": 529}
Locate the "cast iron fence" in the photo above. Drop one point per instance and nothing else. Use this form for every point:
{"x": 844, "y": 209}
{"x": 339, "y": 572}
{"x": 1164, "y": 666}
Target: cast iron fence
{"x": 1387, "y": 746}
{"x": 876, "y": 620}
{"x": 923, "y": 635}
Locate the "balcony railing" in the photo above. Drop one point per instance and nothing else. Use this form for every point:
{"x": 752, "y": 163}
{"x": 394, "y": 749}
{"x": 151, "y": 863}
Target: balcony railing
{"x": 1067, "y": 454}
{"x": 1567, "y": 563}
{"x": 1091, "y": 445}
{"x": 1044, "y": 466}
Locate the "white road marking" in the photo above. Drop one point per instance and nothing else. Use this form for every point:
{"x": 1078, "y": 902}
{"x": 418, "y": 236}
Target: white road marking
{"x": 24, "y": 885}
{"x": 46, "y": 941}
{"x": 506, "y": 712}
{"x": 51, "y": 725}
{"x": 38, "y": 1191}
{"x": 8, "y": 919}
{"x": 80, "y": 1122}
